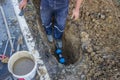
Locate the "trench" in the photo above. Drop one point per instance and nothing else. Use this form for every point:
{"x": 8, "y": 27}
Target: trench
{"x": 71, "y": 54}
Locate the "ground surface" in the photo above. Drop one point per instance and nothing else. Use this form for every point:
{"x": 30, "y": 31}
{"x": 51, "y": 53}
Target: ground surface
{"x": 96, "y": 35}
{"x": 15, "y": 32}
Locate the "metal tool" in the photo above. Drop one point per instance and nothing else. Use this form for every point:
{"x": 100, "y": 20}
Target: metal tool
{"x": 13, "y": 45}
{"x": 8, "y": 32}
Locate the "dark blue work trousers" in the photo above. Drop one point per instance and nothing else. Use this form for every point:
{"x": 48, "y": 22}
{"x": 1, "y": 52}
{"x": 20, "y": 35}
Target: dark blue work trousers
{"x": 57, "y": 9}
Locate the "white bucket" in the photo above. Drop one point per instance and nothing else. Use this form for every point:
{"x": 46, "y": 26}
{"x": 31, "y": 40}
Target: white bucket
{"x": 17, "y": 56}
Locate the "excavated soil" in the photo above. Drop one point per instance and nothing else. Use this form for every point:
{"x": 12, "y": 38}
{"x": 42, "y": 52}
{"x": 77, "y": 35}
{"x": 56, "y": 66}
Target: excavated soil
{"x": 91, "y": 44}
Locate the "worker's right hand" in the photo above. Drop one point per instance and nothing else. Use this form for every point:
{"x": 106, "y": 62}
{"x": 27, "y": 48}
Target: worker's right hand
{"x": 75, "y": 14}
{"x": 23, "y": 4}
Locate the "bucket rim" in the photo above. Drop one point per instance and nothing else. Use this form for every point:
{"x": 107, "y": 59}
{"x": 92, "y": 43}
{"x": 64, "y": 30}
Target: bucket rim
{"x": 22, "y": 76}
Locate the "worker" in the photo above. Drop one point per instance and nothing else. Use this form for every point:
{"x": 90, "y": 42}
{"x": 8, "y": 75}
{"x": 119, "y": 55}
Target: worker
{"x": 59, "y": 10}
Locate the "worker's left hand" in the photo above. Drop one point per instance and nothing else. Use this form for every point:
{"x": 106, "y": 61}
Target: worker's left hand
{"x": 75, "y": 14}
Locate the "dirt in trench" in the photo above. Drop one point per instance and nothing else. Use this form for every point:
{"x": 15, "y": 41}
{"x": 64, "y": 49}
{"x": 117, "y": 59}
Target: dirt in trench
{"x": 95, "y": 37}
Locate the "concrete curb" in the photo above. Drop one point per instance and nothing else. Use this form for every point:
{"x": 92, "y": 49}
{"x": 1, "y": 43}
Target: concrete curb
{"x": 29, "y": 40}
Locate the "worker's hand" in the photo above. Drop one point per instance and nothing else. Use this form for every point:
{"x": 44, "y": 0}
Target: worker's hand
{"x": 23, "y": 4}
{"x": 75, "y": 14}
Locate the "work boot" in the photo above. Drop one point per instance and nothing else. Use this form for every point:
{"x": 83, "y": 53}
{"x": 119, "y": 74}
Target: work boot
{"x": 59, "y": 43}
{"x": 50, "y": 38}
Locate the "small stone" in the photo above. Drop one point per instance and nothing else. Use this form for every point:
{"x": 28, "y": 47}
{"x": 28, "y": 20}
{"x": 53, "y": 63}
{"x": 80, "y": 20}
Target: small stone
{"x": 89, "y": 48}
{"x": 60, "y": 65}
{"x": 93, "y": 20}
{"x": 82, "y": 77}
{"x": 63, "y": 71}
{"x": 102, "y": 16}
{"x": 110, "y": 19}
{"x": 85, "y": 66}
{"x": 92, "y": 54}
{"x": 84, "y": 35}
{"x": 42, "y": 71}
{"x": 87, "y": 13}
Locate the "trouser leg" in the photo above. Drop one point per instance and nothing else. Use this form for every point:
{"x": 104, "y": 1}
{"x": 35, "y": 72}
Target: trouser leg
{"x": 59, "y": 26}
{"x": 46, "y": 16}
{"x": 60, "y": 20}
